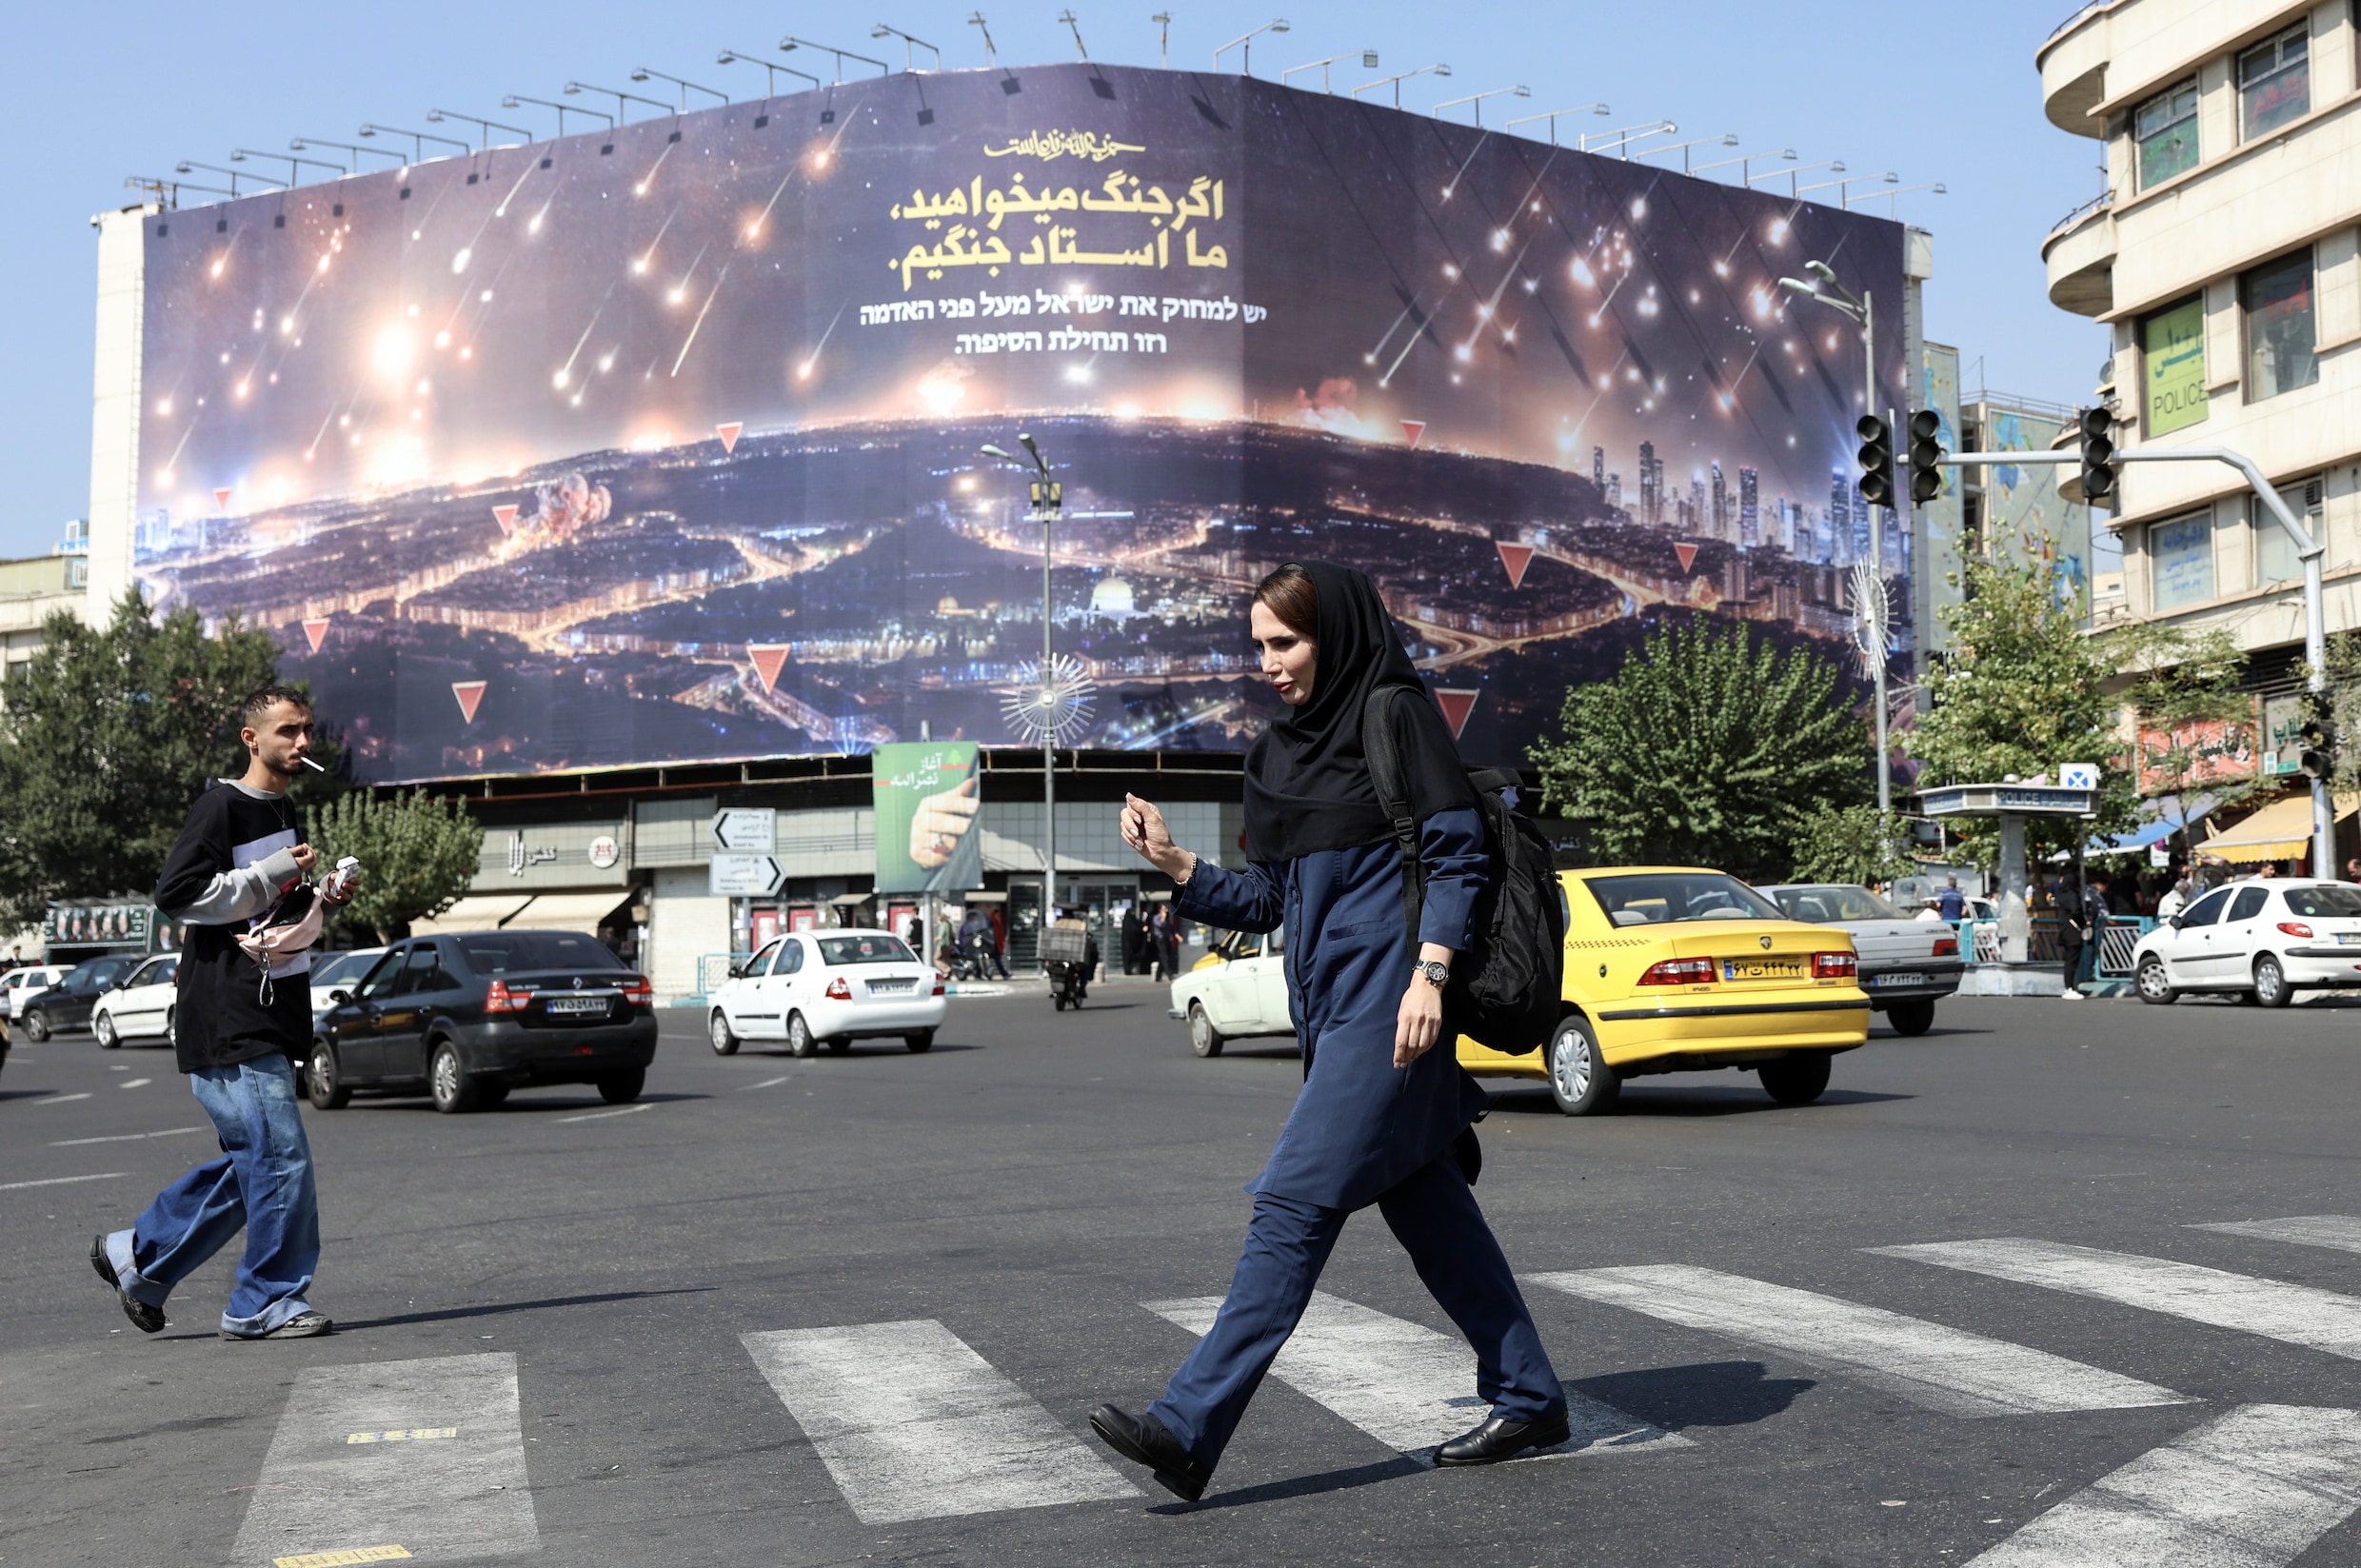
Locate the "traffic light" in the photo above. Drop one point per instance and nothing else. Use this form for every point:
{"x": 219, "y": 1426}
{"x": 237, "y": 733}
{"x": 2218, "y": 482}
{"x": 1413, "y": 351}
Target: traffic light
{"x": 2098, "y": 454}
{"x": 1877, "y": 461}
{"x": 1926, "y": 456}
{"x": 2318, "y": 757}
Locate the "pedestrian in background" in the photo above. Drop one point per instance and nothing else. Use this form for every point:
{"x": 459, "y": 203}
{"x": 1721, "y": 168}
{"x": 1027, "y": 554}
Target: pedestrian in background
{"x": 1949, "y": 904}
{"x": 2073, "y": 917}
{"x": 240, "y": 869}
{"x": 1135, "y": 943}
{"x": 1386, "y": 1114}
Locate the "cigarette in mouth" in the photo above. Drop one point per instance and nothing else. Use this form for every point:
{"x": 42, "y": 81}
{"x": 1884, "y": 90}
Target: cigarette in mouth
{"x": 309, "y": 764}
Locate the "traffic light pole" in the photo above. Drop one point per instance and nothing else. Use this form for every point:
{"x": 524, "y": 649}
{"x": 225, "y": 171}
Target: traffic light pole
{"x": 2308, "y": 549}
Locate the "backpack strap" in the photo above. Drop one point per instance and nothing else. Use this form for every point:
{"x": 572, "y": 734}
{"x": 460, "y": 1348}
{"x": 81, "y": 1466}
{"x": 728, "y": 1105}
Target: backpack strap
{"x": 1381, "y": 742}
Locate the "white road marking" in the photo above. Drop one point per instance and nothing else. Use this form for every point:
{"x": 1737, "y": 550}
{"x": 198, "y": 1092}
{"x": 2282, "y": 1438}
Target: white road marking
{"x": 465, "y": 1497}
{"x": 914, "y": 1424}
{"x": 619, "y": 1110}
{"x": 2298, "y": 1314}
{"x": 63, "y": 1099}
{"x": 1930, "y": 1364}
{"x": 61, "y": 1180}
{"x": 2251, "y": 1489}
{"x": 2340, "y": 1231}
{"x": 1406, "y": 1385}
{"x": 766, "y": 1083}
{"x": 135, "y": 1082}
{"x": 124, "y": 1137}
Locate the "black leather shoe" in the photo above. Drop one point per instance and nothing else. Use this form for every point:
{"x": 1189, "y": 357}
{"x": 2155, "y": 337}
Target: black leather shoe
{"x": 1501, "y": 1439}
{"x": 1144, "y": 1440}
{"x": 147, "y": 1320}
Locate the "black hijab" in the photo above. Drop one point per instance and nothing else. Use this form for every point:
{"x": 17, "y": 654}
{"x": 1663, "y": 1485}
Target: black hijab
{"x": 1307, "y": 777}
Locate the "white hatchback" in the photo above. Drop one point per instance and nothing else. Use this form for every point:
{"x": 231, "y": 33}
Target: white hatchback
{"x": 2270, "y": 936}
{"x": 828, "y": 987}
{"x": 141, "y": 1007}
{"x": 19, "y": 984}
{"x": 1238, "y": 991}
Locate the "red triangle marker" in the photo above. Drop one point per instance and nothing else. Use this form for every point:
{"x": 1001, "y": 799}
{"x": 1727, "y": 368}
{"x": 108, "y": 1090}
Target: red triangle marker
{"x": 220, "y": 497}
{"x": 729, "y": 435}
{"x": 317, "y": 631}
{"x": 770, "y": 658}
{"x": 1687, "y": 554}
{"x": 1516, "y": 558}
{"x": 1456, "y": 706}
{"x": 1414, "y": 429}
{"x": 505, "y": 516}
{"x": 470, "y": 695}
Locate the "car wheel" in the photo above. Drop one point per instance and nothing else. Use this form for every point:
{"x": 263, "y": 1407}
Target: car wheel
{"x": 1795, "y": 1079}
{"x": 623, "y": 1087}
{"x": 799, "y": 1040}
{"x": 724, "y": 1038}
{"x": 1911, "y": 1018}
{"x": 104, "y": 1027}
{"x": 1580, "y": 1079}
{"x": 2271, "y": 985}
{"x": 171, "y": 1027}
{"x": 1204, "y": 1038}
{"x": 36, "y": 1026}
{"x": 2154, "y": 986}
{"x": 919, "y": 1041}
{"x": 323, "y": 1077}
{"x": 448, "y": 1080}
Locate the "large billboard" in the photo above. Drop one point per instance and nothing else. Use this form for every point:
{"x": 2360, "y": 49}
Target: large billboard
{"x": 661, "y": 442}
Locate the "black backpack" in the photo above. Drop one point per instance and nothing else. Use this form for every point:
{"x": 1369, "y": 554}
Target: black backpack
{"x": 1505, "y": 989}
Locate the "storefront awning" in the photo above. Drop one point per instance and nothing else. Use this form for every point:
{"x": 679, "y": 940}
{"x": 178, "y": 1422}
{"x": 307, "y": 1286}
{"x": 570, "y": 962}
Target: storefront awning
{"x": 476, "y": 912}
{"x": 582, "y": 912}
{"x": 2279, "y": 831}
{"x": 2160, "y": 820}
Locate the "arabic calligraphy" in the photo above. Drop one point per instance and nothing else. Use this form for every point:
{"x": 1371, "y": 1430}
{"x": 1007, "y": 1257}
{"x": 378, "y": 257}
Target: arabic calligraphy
{"x": 1047, "y": 145}
{"x": 1119, "y": 192}
{"x": 975, "y": 215}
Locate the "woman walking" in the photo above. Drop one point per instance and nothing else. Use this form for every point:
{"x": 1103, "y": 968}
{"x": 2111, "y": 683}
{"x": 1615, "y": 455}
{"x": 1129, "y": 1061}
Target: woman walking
{"x": 1384, "y": 1116}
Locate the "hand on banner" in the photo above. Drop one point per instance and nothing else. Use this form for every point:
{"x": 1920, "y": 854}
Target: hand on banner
{"x": 940, "y": 820}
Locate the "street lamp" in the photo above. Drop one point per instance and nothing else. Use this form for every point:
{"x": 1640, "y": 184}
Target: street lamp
{"x": 513, "y": 99}
{"x": 640, "y": 74}
{"x": 484, "y": 128}
{"x": 1163, "y": 37}
{"x": 1368, "y": 62}
{"x": 1936, "y": 187}
{"x": 623, "y": 114}
{"x": 304, "y": 143}
{"x": 1834, "y": 165}
{"x": 418, "y": 140}
{"x": 1478, "y": 99}
{"x": 770, "y": 89}
{"x": 1074, "y": 28}
{"x": 294, "y": 165}
{"x": 1553, "y": 117}
{"x": 1622, "y": 136}
{"x": 188, "y": 164}
{"x": 886, "y": 29}
{"x": 1046, "y": 502}
{"x": 1727, "y": 139}
{"x": 1246, "y": 62}
{"x": 1396, "y": 82}
{"x": 790, "y": 44}
{"x": 1745, "y": 163}
{"x": 167, "y": 192}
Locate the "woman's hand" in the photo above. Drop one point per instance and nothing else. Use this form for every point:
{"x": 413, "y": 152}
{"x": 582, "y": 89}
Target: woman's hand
{"x": 1418, "y": 1024}
{"x": 1144, "y": 829}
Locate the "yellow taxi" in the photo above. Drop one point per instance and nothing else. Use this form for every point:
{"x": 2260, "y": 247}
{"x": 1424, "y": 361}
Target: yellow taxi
{"x": 1675, "y": 969}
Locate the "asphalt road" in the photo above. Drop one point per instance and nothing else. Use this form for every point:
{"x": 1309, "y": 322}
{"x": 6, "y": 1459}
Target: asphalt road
{"x": 579, "y": 1286}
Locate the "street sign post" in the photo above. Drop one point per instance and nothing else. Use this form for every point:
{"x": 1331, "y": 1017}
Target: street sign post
{"x": 745, "y": 830}
{"x": 744, "y": 876}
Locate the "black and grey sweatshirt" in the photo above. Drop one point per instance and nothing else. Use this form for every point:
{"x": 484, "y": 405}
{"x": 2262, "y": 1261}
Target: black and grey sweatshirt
{"x": 233, "y": 866}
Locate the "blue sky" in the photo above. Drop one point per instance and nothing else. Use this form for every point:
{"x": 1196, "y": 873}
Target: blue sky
{"x": 1931, "y": 92}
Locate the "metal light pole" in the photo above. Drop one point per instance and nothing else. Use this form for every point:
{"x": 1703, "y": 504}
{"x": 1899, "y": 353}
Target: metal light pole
{"x": 1047, "y": 500}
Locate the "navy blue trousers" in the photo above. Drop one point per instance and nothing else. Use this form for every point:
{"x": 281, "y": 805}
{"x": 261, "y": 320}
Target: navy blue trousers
{"x": 1435, "y": 1218}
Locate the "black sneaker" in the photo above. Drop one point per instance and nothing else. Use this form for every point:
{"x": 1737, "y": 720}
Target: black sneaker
{"x": 147, "y": 1320}
{"x": 304, "y": 1325}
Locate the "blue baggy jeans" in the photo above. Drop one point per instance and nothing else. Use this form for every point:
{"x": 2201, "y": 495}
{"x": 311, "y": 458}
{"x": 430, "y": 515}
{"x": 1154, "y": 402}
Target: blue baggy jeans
{"x": 262, "y": 1183}
{"x": 1434, "y": 1216}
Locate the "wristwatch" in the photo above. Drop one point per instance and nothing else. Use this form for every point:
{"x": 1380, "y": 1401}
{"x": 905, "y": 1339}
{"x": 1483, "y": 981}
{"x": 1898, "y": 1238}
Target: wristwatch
{"x": 1438, "y": 974}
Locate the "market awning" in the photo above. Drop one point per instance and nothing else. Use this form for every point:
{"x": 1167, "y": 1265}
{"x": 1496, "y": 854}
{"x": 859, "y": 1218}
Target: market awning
{"x": 2279, "y": 831}
{"x": 476, "y": 912}
{"x": 582, "y": 912}
{"x": 2160, "y": 820}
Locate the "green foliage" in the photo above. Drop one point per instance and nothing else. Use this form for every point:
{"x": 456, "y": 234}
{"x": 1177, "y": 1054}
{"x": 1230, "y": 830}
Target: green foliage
{"x": 417, "y": 854}
{"x": 2183, "y": 686}
{"x": 2342, "y": 700}
{"x": 1711, "y": 747}
{"x": 108, "y": 736}
{"x": 1855, "y": 844}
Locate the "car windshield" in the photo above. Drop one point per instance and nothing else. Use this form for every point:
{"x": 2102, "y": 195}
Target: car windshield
{"x": 1826, "y": 905}
{"x": 2325, "y": 900}
{"x": 501, "y": 952}
{"x": 1662, "y": 897}
{"x": 876, "y": 948}
{"x": 336, "y": 967}
{"x": 103, "y": 970}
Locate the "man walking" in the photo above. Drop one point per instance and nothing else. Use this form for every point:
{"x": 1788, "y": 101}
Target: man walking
{"x": 240, "y": 867}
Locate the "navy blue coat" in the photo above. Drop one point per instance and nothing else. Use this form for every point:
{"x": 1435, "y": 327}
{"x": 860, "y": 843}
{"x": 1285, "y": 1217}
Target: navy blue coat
{"x": 1361, "y": 1124}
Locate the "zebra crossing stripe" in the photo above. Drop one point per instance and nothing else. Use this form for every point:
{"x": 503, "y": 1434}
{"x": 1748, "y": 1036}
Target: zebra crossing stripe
{"x": 1930, "y": 1364}
{"x": 2299, "y": 1315}
{"x": 2251, "y": 1489}
{"x": 325, "y": 1499}
{"x": 913, "y": 1424}
{"x": 2340, "y": 1231}
{"x": 1403, "y": 1383}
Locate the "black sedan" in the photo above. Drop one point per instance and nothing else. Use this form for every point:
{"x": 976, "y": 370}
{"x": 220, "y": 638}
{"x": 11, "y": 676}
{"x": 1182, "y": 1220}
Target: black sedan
{"x": 68, "y": 1003}
{"x": 467, "y": 1018}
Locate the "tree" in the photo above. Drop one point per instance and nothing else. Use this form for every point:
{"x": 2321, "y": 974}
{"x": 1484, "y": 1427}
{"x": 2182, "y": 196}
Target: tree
{"x": 1851, "y": 844}
{"x": 1712, "y": 746}
{"x": 108, "y": 735}
{"x": 417, "y": 854}
{"x": 2184, "y": 689}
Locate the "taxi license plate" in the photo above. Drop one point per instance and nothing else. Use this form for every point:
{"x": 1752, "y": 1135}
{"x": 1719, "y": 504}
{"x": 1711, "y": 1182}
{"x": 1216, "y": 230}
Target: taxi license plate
{"x": 1905, "y": 978}
{"x": 1762, "y": 968}
{"x": 578, "y": 1004}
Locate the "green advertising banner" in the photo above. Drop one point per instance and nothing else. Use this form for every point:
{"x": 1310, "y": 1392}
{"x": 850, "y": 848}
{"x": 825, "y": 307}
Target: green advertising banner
{"x": 2174, "y": 357}
{"x": 925, "y": 797}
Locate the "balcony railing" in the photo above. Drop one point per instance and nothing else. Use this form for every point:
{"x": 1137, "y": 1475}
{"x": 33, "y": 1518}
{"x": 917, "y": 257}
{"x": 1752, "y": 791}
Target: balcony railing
{"x": 2097, "y": 204}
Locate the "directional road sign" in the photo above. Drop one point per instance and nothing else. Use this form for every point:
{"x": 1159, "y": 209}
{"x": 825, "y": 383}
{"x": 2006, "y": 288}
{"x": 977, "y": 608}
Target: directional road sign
{"x": 745, "y": 830}
{"x": 744, "y": 876}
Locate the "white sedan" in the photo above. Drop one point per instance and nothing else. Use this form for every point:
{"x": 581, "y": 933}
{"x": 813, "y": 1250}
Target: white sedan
{"x": 2270, "y": 938}
{"x": 828, "y": 987}
{"x": 141, "y": 1007}
{"x": 19, "y": 984}
{"x": 1238, "y": 990}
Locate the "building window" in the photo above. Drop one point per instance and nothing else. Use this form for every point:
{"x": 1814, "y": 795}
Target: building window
{"x": 2172, "y": 367}
{"x": 2180, "y": 562}
{"x": 2277, "y": 298}
{"x": 2274, "y": 82}
{"x": 2276, "y": 560}
{"x": 2166, "y": 131}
